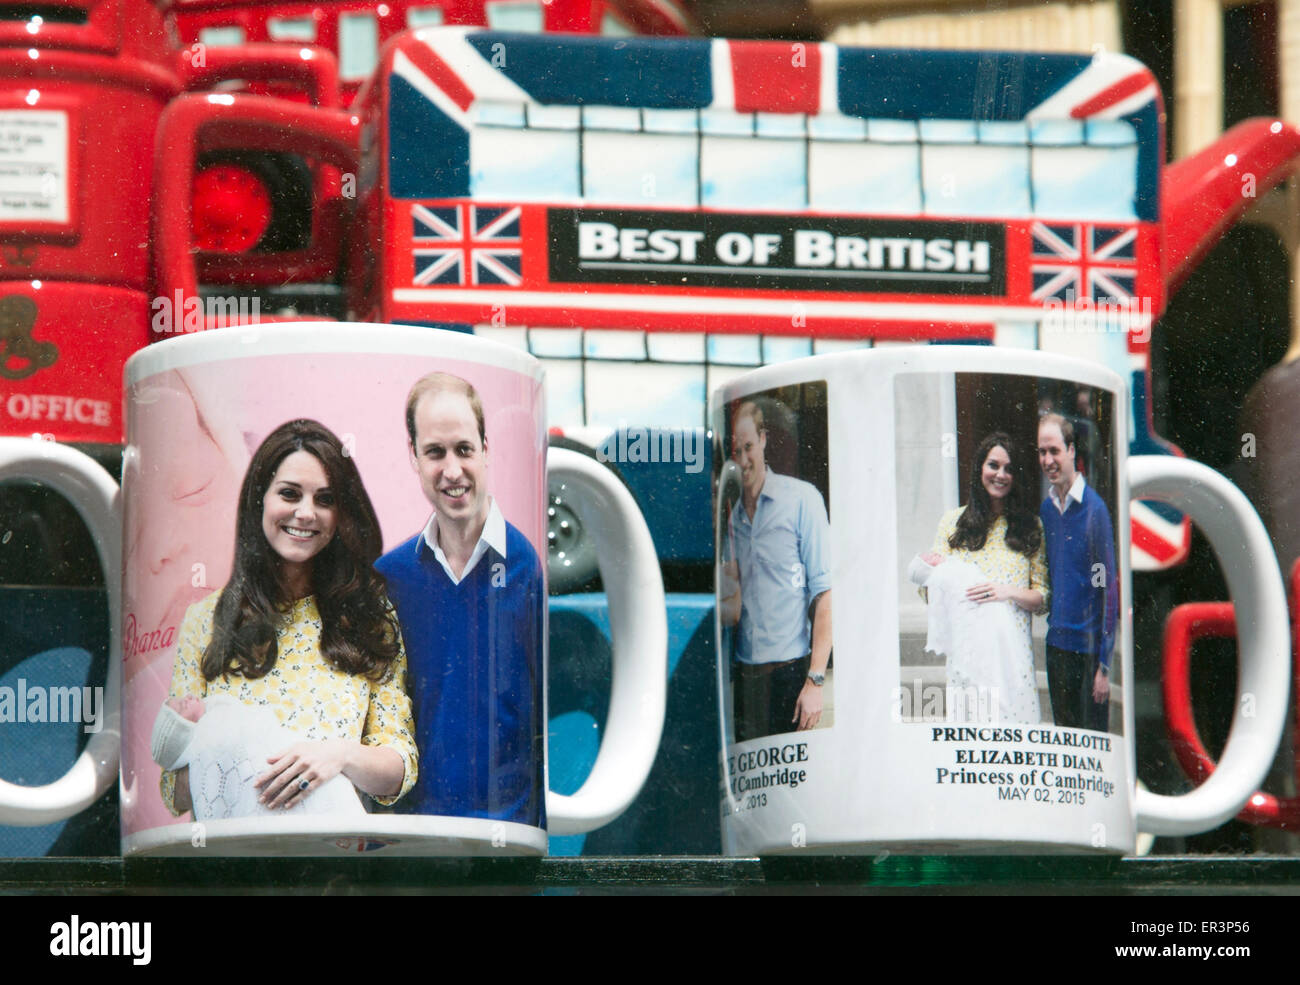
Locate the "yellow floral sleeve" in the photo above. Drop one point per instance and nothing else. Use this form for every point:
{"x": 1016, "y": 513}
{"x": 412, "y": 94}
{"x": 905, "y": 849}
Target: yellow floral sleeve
{"x": 947, "y": 526}
{"x": 187, "y": 679}
{"x": 390, "y": 722}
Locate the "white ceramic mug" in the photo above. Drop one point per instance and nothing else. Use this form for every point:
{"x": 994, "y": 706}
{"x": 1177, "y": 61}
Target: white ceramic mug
{"x": 924, "y": 599}
{"x": 269, "y": 472}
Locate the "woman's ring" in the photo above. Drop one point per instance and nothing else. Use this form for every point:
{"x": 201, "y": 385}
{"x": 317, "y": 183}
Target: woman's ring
{"x": 304, "y": 783}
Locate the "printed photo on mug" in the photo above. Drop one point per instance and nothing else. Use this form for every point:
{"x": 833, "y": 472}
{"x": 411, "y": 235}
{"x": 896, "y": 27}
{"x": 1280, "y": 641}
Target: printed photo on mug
{"x": 1009, "y": 610}
{"x": 1009, "y": 590}
{"x": 333, "y": 579}
{"x": 774, "y": 570}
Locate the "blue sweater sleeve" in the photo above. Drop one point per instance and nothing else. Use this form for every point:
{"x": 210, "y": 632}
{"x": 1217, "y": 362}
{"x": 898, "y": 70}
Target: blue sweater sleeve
{"x": 518, "y": 793}
{"x": 1102, "y": 534}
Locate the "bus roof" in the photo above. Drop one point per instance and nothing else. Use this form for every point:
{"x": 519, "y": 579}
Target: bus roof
{"x": 441, "y": 75}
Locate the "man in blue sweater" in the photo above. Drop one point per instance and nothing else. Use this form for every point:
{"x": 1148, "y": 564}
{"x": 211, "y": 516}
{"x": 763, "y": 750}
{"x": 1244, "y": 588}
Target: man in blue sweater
{"x": 1085, "y": 593}
{"x": 468, "y": 592}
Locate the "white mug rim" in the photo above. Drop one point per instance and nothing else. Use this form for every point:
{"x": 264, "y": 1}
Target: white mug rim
{"x": 324, "y": 337}
{"x": 920, "y": 358}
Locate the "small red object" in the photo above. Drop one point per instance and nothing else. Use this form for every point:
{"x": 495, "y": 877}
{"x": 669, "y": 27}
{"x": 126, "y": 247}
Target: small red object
{"x": 232, "y": 208}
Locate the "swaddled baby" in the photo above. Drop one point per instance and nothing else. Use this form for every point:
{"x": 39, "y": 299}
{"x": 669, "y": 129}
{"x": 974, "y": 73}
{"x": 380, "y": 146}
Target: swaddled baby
{"x": 227, "y": 745}
{"x": 989, "y": 660}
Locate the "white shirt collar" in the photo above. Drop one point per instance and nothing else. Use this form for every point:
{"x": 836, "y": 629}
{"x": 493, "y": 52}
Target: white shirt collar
{"x": 493, "y": 536}
{"x": 1075, "y": 493}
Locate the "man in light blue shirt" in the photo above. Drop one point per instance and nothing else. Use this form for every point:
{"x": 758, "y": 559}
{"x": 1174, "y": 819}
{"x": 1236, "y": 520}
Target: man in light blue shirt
{"x": 775, "y": 589}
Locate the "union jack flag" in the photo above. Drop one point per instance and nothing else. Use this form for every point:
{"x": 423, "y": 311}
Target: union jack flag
{"x": 1083, "y": 260}
{"x": 466, "y": 244}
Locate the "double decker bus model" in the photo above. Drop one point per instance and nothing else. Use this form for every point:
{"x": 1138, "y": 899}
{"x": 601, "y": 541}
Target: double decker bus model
{"x": 653, "y": 217}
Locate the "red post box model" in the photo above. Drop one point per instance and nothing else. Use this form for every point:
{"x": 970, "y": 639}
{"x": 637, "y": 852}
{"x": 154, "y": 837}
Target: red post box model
{"x": 82, "y": 85}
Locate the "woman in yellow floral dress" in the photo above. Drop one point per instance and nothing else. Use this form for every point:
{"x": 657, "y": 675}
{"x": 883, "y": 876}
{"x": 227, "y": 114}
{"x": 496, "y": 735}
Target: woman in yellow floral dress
{"x": 1000, "y": 583}
{"x": 304, "y": 629}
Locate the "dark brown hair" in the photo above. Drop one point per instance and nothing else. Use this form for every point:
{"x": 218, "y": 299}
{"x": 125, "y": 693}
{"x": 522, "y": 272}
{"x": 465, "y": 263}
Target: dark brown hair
{"x": 1024, "y": 535}
{"x": 359, "y": 633}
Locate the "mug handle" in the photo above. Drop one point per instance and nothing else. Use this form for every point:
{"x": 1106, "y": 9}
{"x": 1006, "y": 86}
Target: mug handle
{"x": 1245, "y": 553}
{"x": 315, "y": 70}
{"x": 729, "y": 476}
{"x": 80, "y": 480}
{"x": 239, "y": 121}
{"x": 638, "y": 621}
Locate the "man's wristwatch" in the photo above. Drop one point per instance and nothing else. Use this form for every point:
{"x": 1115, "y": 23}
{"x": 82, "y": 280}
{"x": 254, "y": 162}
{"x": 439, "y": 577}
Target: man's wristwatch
{"x": 817, "y": 679}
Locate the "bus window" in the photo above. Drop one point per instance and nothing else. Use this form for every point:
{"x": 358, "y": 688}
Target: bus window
{"x": 614, "y": 344}
{"x": 676, "y": 347}
{"x": 532, "y": 159}
{"x": 616, "y": 365}
{"x": 719, "y": 376}
{"x": 619, "y": 392}
{"x": 751, "y": 163}
{"x": 358, "y": 45}
{"x": 965, "y": 172}
{"x": 735, "y": 350}
{"x": 822, "y": 346}
{"x": 222, "y": 37}
{"x": 515, "y": 15}
{"x": 566, "y": 397}
{"x": 780, "y": 348}
{"x": 622, "y": 163}
{"x": 555, "y": 343}
{"x": 292, "y": 29}
{"x": 856, "y": 166}
{"x": 560, "y": 352}
{"x": 1080, "y": 174}
{"x": 620, "y": 119}
{"x": 423, "y": 17}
